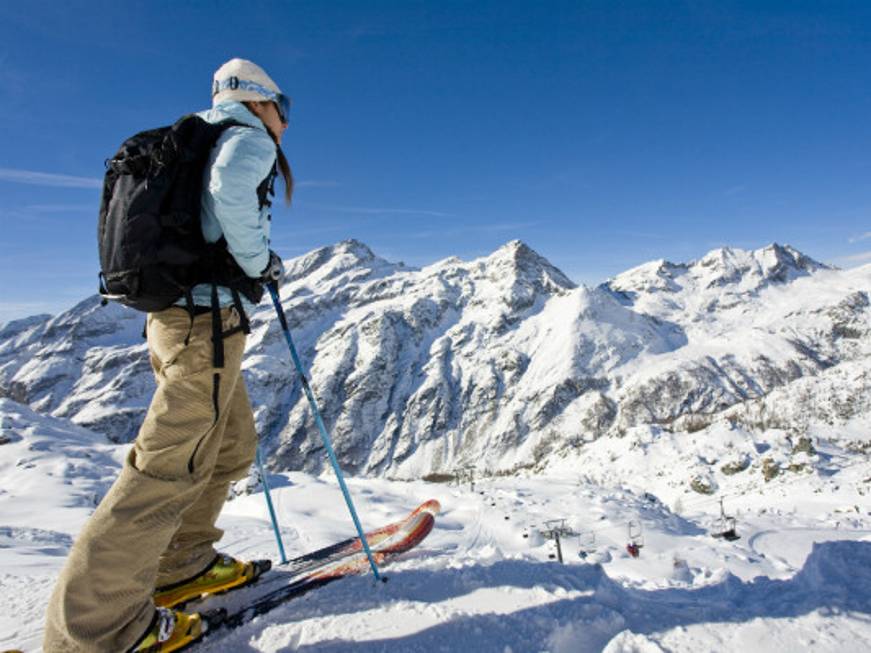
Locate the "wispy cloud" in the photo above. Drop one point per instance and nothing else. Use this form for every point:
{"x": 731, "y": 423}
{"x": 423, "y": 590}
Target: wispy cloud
{"x": 48, "y": 179}
{"x": 644, "y": 235}
{"x": 860, "y": 237}
{"x": 60, "y": 208}
{"x": 69, "y": 181}
{"x": 316, "y": 183}
{"x": 10, "y": 311}
{"x": 734, "y": 190}
{"x": 365, "y": 210}
{"x": 575, "y": 178}
{"x": 478, "y": 228}
{"x": 862, "y": 257}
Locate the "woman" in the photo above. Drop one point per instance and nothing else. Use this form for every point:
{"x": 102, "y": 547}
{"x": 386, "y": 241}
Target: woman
{"x": 149, "y": 546}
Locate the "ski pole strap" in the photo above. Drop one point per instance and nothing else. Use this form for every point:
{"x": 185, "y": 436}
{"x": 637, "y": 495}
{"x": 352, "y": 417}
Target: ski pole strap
{"x": 328, "y": 445}
{"x": 244, "y": 324}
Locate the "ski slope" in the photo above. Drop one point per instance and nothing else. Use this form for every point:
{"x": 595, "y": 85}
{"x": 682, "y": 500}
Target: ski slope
{"x": 798, "y": 579}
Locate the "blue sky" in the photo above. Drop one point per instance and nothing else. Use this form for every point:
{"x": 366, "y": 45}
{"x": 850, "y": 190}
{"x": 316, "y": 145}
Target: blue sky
{"x": 604, "y": 134}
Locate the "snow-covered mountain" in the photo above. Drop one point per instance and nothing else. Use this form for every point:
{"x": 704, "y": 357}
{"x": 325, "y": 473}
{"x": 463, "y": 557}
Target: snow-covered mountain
{"x": 501, "y": 362}
{"x": 742, "y": 378}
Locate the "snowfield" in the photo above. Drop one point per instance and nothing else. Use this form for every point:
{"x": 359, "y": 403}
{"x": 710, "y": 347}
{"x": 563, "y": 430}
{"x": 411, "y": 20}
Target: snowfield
{"x": 672, "y": 403}
{"x": 486, "y": 579}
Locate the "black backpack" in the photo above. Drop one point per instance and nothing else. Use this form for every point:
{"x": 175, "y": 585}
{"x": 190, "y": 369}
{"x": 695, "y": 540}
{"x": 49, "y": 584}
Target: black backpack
{"x": 152, "y": 250}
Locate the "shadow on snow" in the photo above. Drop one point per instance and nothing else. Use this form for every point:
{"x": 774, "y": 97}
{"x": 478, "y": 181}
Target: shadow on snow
{"x": 836, "y": 577}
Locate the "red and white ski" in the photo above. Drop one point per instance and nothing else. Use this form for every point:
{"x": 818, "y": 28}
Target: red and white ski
{"x": 320, "y": 567}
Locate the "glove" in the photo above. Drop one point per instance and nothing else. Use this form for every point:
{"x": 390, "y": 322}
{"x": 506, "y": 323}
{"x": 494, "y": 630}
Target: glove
{"x": 274, "y": 271}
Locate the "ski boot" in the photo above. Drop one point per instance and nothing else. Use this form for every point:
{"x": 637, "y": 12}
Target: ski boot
{"x": 225, "y": 573}
{"x": 170, "y": 631}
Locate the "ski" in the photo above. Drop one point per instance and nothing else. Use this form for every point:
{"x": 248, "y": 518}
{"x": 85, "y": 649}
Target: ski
{"x": 317, "y": 568}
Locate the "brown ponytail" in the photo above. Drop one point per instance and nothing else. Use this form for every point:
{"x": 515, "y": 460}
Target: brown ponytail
{"x": 283, "y": 165}
{"x": 284, "y": 168}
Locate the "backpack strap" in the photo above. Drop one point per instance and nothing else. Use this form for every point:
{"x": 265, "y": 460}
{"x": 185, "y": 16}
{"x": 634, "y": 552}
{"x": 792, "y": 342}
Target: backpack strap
{"x": 191, "y": 309}
{"x": 266, "y": 188}
{"x": 217, "y": 333}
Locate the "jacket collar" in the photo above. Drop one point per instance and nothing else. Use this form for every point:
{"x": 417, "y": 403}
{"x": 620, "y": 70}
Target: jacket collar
{"x": 235, "y": 110}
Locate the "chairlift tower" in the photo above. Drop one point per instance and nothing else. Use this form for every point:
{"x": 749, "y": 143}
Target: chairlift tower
{"x": 465, "y": 474}
{"x": 554, "y": 530}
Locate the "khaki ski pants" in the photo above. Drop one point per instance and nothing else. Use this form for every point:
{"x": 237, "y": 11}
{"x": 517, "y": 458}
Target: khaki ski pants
{"x": 156, "y": 525}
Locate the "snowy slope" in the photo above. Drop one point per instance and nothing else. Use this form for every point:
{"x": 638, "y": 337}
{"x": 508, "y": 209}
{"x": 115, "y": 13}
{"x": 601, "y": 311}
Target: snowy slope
{"x": 486, "y": 579}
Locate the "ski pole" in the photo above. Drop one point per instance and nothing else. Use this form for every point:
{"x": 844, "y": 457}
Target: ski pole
{"x": 273, "y": 290}
{"x": 269, "y": 505}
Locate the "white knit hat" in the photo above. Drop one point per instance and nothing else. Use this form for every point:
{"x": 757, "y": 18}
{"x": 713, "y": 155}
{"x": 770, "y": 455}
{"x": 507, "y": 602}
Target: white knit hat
{"x": 241, "y": 80}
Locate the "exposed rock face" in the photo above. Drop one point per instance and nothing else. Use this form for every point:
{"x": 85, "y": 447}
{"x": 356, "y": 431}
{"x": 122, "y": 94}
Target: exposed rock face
{"x": 89, "y": 364}
{"x": 501, "y": 361}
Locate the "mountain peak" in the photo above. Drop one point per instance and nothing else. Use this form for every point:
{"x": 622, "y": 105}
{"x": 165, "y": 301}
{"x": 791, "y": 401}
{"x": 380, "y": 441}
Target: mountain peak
{"x": 332, "y": 260}
{"x": 355, "y": 248}
{"x": 789, "y": 255}
{"x": 774, "y": 263}
{"x": 526, "y": 263}
{"x": 15, "y": 327}
{"x": 515, "y": 250}
{"x": 724, "y": 268}
{"x": 519, "y": 247}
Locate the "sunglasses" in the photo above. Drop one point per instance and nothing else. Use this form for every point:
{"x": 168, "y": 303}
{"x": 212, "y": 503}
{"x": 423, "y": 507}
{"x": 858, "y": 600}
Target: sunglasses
{"x": 282, "y": 104}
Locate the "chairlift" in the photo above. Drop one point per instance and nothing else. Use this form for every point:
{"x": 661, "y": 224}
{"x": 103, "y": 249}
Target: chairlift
{"x": 636, "y": 539}
{"x": 586, "y": 544}
{"x": 725, "y": 526}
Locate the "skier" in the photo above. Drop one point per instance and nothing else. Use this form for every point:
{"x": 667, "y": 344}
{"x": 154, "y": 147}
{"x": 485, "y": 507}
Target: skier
{"x": 149, "y": 545}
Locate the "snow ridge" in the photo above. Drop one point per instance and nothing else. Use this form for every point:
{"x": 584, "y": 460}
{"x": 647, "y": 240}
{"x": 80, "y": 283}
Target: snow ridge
{"x": 501, "y": 361}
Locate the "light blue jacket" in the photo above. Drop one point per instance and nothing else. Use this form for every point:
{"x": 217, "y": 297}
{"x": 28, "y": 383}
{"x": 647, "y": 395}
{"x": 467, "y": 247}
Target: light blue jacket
{"x": 240, "y": 160}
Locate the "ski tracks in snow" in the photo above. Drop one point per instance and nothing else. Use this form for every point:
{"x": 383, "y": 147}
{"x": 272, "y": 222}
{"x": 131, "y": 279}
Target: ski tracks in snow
{"x": 789, "y": 547}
